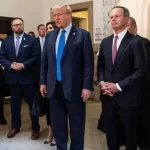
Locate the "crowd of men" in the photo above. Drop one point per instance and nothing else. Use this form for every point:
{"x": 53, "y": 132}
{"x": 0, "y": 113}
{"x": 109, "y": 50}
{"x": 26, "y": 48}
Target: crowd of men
{"x": 62, "y": 63}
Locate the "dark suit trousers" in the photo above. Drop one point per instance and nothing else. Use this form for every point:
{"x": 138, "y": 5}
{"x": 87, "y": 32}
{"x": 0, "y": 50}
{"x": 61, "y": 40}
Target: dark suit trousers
{"x": 29, "y": 92}
{"x": 46, "y": 101}
{"x": 61, "y": 110}
{"x": 116, "y": 118}
{"x": 47, "y": 108}
{"x": 2, "y": 89}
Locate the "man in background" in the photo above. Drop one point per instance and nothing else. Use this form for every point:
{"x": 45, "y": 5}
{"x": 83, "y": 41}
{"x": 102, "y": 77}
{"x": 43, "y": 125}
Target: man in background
{"x": 2, "y": 86}
{"x": 40, "y": 40}
{"x": 121, "y": 66}
{"x": 19, "y": 54}
{"x": 144, "y": 109}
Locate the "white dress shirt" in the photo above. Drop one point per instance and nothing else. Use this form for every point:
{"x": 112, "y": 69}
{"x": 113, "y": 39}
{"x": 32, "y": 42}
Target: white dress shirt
{"x": 0, "y": 44}
{"x": 119, "y": 40}
{"x": 42, "y": 40}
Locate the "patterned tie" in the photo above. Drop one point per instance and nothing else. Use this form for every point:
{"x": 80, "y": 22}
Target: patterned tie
{"x": 61, "y": 46}
{"x": 114, "y": 49}
{"x": 17, "y": 44}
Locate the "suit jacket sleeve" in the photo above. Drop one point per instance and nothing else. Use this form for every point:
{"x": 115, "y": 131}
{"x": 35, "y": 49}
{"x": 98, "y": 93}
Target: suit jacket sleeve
{"x": 88, "y": 60}
{"x": 100, "y": 64}
{"x": 35, "y": 58}
{"x": 140, "y": 66}
{"x": 3, "y": 60}
{"x": 44, "y": 64}
{"x": 147, "y": 47}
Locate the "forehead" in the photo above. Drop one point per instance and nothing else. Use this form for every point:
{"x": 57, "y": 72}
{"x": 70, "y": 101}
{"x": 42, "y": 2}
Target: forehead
{"x": 50, "y": 25}
{"x": 59, "y": 10}
{"x": 42, "y": 27}
{"x": 116, "y": 11}
{"x": 17, "y": 21}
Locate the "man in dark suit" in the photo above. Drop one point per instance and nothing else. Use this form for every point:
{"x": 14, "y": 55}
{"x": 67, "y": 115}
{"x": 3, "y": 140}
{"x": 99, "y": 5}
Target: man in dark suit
{"x": 2, "y": 85}
{"x": 40, "y": 40}
{"x": 144, "y": 109}
{"x": 121, "y": 66}
{"x": 19, "y": 54}
{"x": 67, "y": 77}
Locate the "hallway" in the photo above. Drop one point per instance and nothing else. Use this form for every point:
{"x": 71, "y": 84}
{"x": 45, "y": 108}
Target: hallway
{"x": 94, "y": 139}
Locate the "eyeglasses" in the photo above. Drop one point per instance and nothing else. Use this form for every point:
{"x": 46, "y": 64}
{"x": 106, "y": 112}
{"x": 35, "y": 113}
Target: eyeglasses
{"x": 16, "y": 25}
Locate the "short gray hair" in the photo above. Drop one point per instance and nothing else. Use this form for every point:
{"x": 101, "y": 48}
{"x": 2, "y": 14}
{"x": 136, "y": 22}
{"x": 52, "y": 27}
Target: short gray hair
{"x": 66, "y": 7}
{"x": 126, "y": 12}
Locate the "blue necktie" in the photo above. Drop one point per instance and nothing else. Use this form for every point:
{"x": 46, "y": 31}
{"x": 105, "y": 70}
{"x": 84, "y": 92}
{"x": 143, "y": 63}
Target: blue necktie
{"x": 60, "y": 50}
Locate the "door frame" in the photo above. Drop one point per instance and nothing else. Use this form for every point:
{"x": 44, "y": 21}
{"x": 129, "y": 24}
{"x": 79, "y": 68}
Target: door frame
{"x": 80, "y": 7}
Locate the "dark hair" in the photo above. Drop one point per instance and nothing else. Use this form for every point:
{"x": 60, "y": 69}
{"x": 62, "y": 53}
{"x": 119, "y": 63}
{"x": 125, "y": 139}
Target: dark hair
{"x": 40, "y": 25}
{"x": 16, "y": 19}
{"x": 132, "y": 20}
{"x": 126, "y": 12}
{"x": 31, "y": 32}
{"x": 52, "y": 23}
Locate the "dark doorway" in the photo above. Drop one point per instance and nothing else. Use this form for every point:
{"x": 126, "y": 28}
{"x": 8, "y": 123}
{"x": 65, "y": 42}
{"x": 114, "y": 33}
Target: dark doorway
{"x": 5, "y": 26}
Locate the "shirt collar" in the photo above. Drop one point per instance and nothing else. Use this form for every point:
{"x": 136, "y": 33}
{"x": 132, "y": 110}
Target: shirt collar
{"x": 21, "y": 35}
{"x": 41, "y": 37}
{"x": 67, "y": 29}
{"x": 121, "y": 34}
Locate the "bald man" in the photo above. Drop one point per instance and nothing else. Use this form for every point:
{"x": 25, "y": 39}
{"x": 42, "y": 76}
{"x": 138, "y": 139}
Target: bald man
{"x": 144, "y": 111}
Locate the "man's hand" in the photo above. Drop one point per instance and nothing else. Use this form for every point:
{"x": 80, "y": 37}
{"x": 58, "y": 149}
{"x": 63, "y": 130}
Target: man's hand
{"x": 106, "y": 91}
{"x": 85, "y": 94}
{"x": 14, "y": 66}
{"x": 43, "y": 90}
{"x": 111, "y": 87}
{"x": 19, "y": 66}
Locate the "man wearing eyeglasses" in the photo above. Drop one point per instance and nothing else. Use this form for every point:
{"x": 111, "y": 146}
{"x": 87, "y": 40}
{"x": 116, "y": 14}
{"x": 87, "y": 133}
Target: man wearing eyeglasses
{"x": 19, "y": 55}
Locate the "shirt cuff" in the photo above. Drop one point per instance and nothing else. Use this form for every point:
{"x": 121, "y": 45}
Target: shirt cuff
{"x": 22, "y": 65}
{"x": 118, "y": 87}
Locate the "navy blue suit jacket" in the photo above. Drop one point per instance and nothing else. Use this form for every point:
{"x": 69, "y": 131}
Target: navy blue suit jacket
{"x": 28, "y": 54}
{"x": 77, "y": 64}
{"x": 129, "y": 68}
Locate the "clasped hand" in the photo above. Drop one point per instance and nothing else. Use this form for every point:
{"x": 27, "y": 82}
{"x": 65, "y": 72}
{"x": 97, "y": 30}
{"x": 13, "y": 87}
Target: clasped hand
{"x": 109, "y": 88}
{"x": 16, "y": 66}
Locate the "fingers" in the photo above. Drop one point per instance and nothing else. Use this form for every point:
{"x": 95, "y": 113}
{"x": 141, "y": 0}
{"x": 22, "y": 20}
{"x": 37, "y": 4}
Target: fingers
{"x": 43, "y": 90}
{"x": 85, "y": 95}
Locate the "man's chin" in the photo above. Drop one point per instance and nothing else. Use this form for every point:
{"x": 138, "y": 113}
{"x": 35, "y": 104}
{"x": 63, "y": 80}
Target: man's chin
{"x": 19, "y": 32}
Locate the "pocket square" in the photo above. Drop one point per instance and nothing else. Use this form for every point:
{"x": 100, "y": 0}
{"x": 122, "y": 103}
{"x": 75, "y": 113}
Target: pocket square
{"x": 25, "y": 45}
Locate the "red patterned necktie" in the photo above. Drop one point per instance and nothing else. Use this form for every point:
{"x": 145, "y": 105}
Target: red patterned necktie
{"x": 114, "y": 49}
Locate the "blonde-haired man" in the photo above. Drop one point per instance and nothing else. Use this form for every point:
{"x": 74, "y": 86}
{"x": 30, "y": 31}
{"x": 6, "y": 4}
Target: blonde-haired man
{"x": 67, "y": 77}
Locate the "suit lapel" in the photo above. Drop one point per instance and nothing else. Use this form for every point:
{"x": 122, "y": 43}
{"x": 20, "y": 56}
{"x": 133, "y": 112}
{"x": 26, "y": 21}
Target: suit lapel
{"x": 22, "y": 43}
{"x": 125, "y": 41}
{"x": 70, "y": 39}
{"x": 13, "y": 45}
{"x": 109, "y": 53}
{"x": 54, "y": 41}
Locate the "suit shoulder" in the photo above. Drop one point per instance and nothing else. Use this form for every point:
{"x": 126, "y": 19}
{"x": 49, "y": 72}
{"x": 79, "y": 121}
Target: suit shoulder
{"x": 83, "y": 31}
{"x": 107, "y": 38}
{"x": 8, "y": 38}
